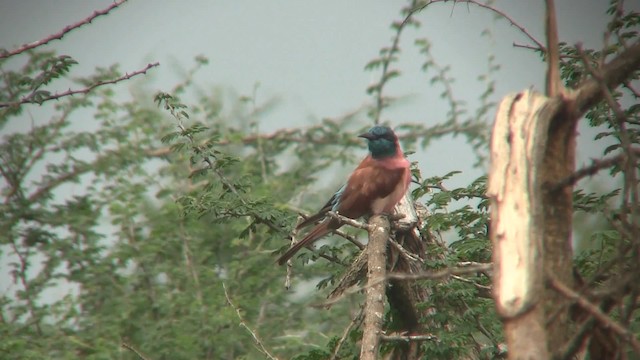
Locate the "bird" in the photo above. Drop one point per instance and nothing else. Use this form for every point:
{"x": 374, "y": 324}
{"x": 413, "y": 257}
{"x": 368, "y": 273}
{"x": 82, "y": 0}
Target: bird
{"x": 373, "y": 188}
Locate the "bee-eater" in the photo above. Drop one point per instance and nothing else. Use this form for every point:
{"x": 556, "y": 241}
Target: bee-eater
{"x": 374, "y": 187}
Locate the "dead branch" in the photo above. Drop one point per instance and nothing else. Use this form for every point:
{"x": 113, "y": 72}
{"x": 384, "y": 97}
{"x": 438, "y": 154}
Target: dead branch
{"x": 60, "y": 34}
{"x": 376, "y": 285}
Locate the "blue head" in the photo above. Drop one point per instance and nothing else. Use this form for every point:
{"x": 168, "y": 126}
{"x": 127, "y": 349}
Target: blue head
{"x": 382, "y": 141}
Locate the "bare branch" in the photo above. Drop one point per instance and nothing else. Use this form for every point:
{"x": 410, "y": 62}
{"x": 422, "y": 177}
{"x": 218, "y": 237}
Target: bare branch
{"x": 595, "y": 167}
{"x": 376, "y": 285}
{"x": 408, "y": 338}
{"x": 495, "y": 10}
{"x": 60, "y": 34}
{"x": 348, "y": 221}
{"x": 442, "y": 274}
{"x": 29, "y": 99}
{"x": 357, "y": 320}
{"x": 386, "y": 61}
{"x": 133, "y": 350}
{"x": 256, "y": 339}
{"x": 595, "y": 311}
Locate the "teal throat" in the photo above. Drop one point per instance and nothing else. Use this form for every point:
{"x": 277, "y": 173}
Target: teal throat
{"x": 382, "y": 148}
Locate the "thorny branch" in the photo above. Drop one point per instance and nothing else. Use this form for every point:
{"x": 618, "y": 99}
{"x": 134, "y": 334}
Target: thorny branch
{"x": 386, "y": 61}
{"x": 29, "y": 99}
{"x": 256, "y": 339}
{"x": 60, "y": 34}
{"x": 491, "y": 8}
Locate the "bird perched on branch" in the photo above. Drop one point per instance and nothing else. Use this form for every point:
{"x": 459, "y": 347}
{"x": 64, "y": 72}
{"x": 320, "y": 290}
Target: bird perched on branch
{"x": 374, "y": 187}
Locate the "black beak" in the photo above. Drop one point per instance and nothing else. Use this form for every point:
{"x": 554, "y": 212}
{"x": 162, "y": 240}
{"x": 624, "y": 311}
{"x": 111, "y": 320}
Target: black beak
{"x": 367, "y": 136}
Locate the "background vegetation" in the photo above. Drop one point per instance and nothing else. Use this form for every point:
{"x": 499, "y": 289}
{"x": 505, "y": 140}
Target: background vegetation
{"x": 179, "y": 202}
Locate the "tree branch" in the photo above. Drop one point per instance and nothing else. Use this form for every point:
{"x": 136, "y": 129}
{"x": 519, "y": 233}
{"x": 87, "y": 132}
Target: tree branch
{"x": 495, "y": 10}
{"x": 595, "y": 311}
{"x": 60, "y": 34}
{"x": 589, "y": 92}
{"x": 357, "y": 320}
{"x": 133, "y": 350}
{"x": 256, "y": 339}
{"x": 29, "y": 99}
{"x": 595, "y": 167}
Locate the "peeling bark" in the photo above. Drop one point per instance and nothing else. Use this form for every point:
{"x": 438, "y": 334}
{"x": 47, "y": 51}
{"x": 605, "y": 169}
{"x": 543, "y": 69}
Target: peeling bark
{"x": 376, "y": 283}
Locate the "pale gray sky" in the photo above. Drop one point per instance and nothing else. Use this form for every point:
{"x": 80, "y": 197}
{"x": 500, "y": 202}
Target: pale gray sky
{"x": 309, "y": 54}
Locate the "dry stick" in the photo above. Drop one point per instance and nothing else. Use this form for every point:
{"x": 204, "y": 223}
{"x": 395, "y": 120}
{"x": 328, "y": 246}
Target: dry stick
{"x": 595, "y": 311}
{"x": 256, "y": 339}
{"x": 57, "y": 36}
{"x": 357, "y": 320}
{"x": 29, "y": 98}
{"x": 132, "y": 349}
{"x": 554, "y": 83}
{"x": 376, "y": 284}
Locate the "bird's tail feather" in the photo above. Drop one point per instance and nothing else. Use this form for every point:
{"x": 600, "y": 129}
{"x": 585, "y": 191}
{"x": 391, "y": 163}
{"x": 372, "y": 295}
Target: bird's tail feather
{"x": 315, "y": 234}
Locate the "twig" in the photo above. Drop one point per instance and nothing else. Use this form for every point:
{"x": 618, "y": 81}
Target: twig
{"x": 408, "y": 338}
{"x": 357, "y": 320}
{"x": 386, "y": 60}
{"x": 595, "y": 167}
{"x": 30, "y": 98}
{"x": 404, "y": 252}
{"x": 441, "y": 274}
{"x": 57, "y": 36}
{"x": 256, "y": 339}
{"x": 501, "y": 13}
{"x": 348, "y": 221}
{"x": 133, "y": 350}
{"x": 595, "y": 311}
{"x": 294, "y": 239}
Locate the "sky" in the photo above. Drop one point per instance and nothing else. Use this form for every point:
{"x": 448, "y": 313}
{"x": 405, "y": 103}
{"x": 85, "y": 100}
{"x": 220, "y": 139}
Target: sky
{"x": 311, "y": 55}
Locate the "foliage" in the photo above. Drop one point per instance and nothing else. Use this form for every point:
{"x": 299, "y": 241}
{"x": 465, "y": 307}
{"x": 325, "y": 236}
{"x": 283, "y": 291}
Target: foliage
{"x": 125, "y": 229}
